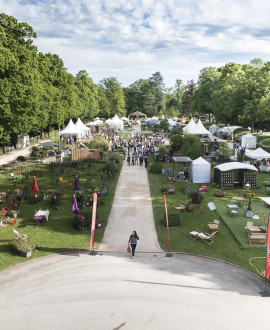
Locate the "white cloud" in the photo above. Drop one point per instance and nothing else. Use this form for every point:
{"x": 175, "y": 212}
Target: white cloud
{"x": 134, "y": 39}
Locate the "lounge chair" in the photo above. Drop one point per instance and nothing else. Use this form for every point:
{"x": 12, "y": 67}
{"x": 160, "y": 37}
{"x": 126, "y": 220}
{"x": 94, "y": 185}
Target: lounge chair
{"x": 193, "y": 234}
{"x": 206, "y": 238}
{"x": 214, "y": 226}
{"x": 249, "y": 224}
{"x": 20, "y": 237}
{"x": 257, "y": 239}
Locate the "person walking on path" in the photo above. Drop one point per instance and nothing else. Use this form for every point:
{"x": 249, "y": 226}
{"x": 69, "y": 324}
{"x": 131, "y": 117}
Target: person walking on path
{"x": 145, "y": 161}
{"x": 133, "y": 242}
{"x": 128, "y": 160}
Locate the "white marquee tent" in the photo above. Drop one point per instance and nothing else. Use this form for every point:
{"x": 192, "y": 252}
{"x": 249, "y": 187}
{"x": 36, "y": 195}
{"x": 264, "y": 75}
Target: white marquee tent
{"x": 200, "y": 170}
{"x": 115, "y": 122}
{"x": 82, "y": 127}
{"x": 72, "y": 130}
{"x": 191, "y": 125}
{"x": 258, "y": 154}
{"x": 248, "y": 141}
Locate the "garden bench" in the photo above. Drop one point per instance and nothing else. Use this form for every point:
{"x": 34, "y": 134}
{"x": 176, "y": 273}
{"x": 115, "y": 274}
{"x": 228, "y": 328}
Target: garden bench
{"x": 257, "y": 239}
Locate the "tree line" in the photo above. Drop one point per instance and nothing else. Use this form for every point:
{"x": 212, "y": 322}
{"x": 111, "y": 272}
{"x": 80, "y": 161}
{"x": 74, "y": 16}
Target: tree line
{"x": 38, "y": 93}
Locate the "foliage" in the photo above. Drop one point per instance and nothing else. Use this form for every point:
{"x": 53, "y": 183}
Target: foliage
{"x": 36, "y": 197}
{"x": 38, "y": 152}
{"x": 173, "y": 219}
{"x": 196, "y": 197}
{"x": 162, "y": 151}
{"x": 56, "y": 200}
{"x": 176, "y": 142}
{"x": 21, "y": 159}
{"x": 156, "y": 168}
{"x": 21, "y": 246}
{"x": 79, "y": 222}
{"x": 191, "y": 146}
{"x": 111, "y": 168}
{"x": 79, "y": 196}
{"x": 20, "y": 194}
{"x": 99, "y": 143}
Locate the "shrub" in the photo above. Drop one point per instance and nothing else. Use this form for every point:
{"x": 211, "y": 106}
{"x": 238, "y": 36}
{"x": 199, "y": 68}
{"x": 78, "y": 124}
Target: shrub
{"x": 111, "y": 167}
{"x": 36, "y": 197}
{"x": 173, "y": 219}
{"x": 196, "y": 197}
{"x": 21, "y": 246}
{"x": 21, "y": 159}
{"x": 162, "y": 151}
{"x": 156, "y": 168}
{"x": 56, "y": 200}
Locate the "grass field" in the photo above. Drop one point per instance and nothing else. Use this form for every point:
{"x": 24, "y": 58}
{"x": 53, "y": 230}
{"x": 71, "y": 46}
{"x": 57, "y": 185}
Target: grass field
{"x": 57, "y": 235}
{"x": 225, "y": 246}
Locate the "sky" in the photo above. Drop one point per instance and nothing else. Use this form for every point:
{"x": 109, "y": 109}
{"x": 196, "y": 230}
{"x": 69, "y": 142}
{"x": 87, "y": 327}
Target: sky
{"x": 132, "y": 40}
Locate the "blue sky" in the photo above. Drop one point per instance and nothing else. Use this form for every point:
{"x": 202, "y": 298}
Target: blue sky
{"x": 131, "y": 40}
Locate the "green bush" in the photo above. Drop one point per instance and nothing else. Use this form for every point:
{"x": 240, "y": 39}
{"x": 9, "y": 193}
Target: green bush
{"x": 111, "y": 167}
{"x": 156, "y": 168}
{"x": 21, "y": 159}
{"x": 173, "y": 219}
{"x": 162, "y": 151}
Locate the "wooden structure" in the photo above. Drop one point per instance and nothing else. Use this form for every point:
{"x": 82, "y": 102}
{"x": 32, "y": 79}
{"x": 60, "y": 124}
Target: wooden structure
{"x": 181, "y": 160}
{"x": 232, "y": 174}
{"x": 137, "y": 115}
{"x": 77, "y": 154}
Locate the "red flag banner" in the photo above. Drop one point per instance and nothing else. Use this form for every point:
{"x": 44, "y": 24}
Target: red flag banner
{"x": 166, "y": 212}
{"x": 93, "y": 227}
{"x": 267, "y": 272}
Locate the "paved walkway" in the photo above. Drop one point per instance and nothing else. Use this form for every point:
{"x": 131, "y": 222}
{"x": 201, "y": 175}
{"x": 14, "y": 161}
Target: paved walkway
{"x": 112, "y": 291}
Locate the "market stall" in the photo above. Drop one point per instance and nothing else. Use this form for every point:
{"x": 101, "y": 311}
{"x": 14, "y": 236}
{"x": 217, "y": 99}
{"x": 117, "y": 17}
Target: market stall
{"x": 200, "y": 170}
{"x": 232, "y": 174}
{"x": 248, "y": 141}
{"x": 183, "y": 162}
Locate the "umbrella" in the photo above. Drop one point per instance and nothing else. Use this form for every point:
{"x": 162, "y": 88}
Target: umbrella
{"x": 76, "y": 184}
{"x": 74, "y": 204}
{"x": 35, "y": 185}
{"x": 48, "y": 144}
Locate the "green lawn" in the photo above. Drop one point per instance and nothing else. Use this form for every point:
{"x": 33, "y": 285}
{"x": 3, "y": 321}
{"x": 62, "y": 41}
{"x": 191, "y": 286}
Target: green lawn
{"x": 57, "y": 235}
{"x": 225, "y": 246}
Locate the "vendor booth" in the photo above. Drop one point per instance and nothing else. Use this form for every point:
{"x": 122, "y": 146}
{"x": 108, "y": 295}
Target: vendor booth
{"x": 86, "y": 130}
{"x": 200, "y": 170}
{"x": 178, "y": 168}
{"x": 71, "y": 130}
{"x": 232, "y": 174}
{"x": 213, "y": 129}
{"x": 258, "y": 154}
{"x": 248, "y": 141}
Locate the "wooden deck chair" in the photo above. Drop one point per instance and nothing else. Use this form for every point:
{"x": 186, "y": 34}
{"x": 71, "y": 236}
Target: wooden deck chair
{"x": 249, "y": 224}
{"x": 194, "y": 234}
{"x": 214, "y": 226}
{"x": 20, "y": 237}
{"x": 206, "y": 238}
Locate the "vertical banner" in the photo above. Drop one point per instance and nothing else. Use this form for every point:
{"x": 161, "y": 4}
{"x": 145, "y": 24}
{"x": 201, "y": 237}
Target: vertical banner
{"x": 166, "y": 212}
{"x": 267, "y": 271}
{"x": 93, "y": 221}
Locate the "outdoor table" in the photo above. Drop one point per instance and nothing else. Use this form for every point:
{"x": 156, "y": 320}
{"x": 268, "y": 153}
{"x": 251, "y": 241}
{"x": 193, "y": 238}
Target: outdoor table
{"x": 239, "y": 199}
{"x": 232, "y": 207}
{"x": 43, "y": 213}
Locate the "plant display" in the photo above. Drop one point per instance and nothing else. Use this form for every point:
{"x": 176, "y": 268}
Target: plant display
{"x": 20, "y": 195}
{"x": 2, "y": 196}
{"x": 56, "y": 200}
{"x": 219, "y": 194}
{"x": 196, "y": 198}
{"x": 21, "y": 246}
{"x": 79, "y": 221}
{"x": 36, "y": 197}
{"x": 80, "y": 196}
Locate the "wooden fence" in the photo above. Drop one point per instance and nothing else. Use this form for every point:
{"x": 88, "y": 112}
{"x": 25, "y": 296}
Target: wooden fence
{"x": 77, "y": 154}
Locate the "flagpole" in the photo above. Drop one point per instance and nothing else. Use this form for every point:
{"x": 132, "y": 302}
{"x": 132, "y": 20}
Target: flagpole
{"x": 267, "y": 262}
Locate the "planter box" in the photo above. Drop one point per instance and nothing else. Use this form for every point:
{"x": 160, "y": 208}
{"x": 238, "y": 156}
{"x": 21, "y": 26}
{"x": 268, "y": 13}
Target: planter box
{"x": 26, "y": 254}
{"x": 248, "y": 213}
{"x": 196, "y": 209}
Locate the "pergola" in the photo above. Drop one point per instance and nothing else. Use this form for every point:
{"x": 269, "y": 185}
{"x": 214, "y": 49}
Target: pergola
{"x": 181, "y": 160}
{"x": 137, "y": 115}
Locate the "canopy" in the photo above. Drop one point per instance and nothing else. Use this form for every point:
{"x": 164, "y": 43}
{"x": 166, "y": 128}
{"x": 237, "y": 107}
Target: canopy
{"x": 191, "y": 125}
{"x": 199, "y": 129}
{"x": 213, "y": 129}
{"x": 48, "y": 144}
{"x": 258, "y": 154}
{"x": 201, "y": 171}
{"x": 79, "y": 124}
{"x": 235, "y": 166}
{"x": 115, "y": 122}
{"x": 229, "y": 129}
{"x": 71, "y": 129}
{"x": 248, "y": 141}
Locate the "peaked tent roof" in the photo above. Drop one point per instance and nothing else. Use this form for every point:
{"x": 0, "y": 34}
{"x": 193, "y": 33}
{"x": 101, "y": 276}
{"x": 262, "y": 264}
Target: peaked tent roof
{"x": 71, "y": 129}
{"x": 199, "y": 129}
{"x": 200, "y": 160}
{"x": 258, "y": 154}
{"x": 191, "y": 125}
{"x": 81, "y": 125}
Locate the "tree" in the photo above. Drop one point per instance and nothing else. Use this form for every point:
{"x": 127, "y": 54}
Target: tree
{"x": 191, "y": 146}
{"x": 115, "y": 96}
{"x": 187, "y": 98}
{"x": 156, "y": 93}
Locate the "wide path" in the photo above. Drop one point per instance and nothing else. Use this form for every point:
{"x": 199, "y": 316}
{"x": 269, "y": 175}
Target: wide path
{"x": 112, "y": 291}
{"x": 131, "y": 210}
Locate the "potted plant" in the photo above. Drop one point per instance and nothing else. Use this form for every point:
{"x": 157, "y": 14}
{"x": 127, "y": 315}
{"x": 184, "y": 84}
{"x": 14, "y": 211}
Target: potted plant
{"x": 196, "y": 199}
{"x": 248, "y": 212}
{"x": 23, "y": 247}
